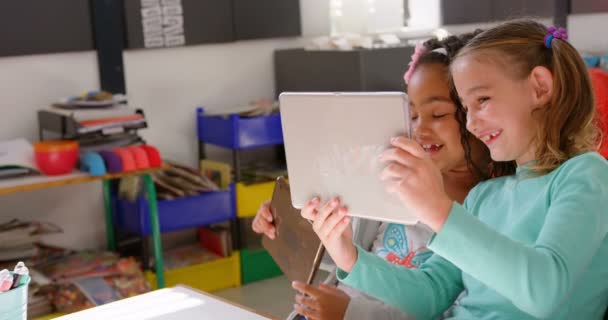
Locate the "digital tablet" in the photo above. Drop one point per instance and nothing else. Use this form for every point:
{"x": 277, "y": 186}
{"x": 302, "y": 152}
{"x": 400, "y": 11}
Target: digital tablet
{"x": 332, "y": 143}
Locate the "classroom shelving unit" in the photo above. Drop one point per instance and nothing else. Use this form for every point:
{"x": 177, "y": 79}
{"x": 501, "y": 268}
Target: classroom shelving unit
{"x": 239, "y": 134}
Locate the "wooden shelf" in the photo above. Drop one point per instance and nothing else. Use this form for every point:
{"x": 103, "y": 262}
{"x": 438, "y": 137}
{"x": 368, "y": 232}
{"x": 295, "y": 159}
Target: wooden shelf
{"x": 24, "y": 184}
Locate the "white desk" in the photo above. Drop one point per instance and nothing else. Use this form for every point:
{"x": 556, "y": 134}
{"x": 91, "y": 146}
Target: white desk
{"x": 177, "y": 303}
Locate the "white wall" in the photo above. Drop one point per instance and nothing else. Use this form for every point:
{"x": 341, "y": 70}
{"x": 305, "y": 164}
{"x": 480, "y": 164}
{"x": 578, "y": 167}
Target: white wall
{"x": 587, "y": 32}
{"x": 169, "y": 84}
{"x": 28, "y": 84}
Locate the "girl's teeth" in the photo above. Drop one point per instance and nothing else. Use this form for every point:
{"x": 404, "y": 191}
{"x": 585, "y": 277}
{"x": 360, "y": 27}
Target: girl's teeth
{"x": 490, "y": 136}
{"x": 428, "y": 147}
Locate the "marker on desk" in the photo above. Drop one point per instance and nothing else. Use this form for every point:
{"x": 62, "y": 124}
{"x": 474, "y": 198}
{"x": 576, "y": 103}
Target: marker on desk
{"x": 18, "y": 273}
{"x": 6, "y": 280}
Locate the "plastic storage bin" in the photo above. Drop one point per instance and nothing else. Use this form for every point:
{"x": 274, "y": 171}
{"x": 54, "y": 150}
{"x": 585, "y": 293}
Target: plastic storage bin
{"x": 257, "y": 265}
{"x": 249, "y": 197}
{"x": 235, "y": 132}
{"x": 13, "y": 303}
{"x": 591, "y": 61}
{"x": 50, "y": 316}
{"x": 210, "y": 276}
{"x": 189, "y": 212}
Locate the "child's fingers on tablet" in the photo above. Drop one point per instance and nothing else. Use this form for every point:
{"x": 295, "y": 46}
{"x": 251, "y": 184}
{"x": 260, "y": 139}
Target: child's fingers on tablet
{"x": 324, "y": 213}
{"x": 394, "y": 171}
{"x": 339, "y": 229}
{"x": 309, "y": 211}
{"x": 392, "y": 186}
{"x": 399, "y": 156}
{"x": 410, "y": 146}
{"x": 332, "y": 220}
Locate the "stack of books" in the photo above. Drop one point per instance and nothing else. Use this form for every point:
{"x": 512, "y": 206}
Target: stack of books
{"x": 97, "y": 120}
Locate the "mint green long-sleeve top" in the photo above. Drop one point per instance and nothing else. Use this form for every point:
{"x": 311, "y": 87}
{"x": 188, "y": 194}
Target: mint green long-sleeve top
{"x": 523, "y": 246}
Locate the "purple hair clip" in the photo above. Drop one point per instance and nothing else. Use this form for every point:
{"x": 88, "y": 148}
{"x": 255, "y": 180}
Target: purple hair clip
{"x": 418, "y": 52}
{"x": 555, "y": 33}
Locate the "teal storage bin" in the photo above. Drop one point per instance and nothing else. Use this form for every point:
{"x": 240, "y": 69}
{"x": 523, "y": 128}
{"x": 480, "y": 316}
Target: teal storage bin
{"x": 13, "y": 303}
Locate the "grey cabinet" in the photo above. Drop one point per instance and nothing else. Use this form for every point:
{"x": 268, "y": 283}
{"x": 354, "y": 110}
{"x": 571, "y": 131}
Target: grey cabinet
{"x": 37, "y": 27}
{"x": 358, "y": 70}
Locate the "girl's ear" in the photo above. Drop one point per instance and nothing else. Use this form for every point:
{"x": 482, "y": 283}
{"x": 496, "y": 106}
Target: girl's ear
{"x": 541, "y": 81}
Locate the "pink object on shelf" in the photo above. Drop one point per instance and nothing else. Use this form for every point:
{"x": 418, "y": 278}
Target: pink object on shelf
{"x": 140, "y": 156}
{"x": 128, "y": 162}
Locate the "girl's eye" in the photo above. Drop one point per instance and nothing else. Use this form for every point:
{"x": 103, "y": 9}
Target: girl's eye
{"x": 414, "y": 117}
{"x": 439, "y": 116}
{"x": 482, "y": 100}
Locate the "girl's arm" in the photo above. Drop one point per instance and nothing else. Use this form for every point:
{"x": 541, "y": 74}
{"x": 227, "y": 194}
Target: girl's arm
{"x": 536, "y": 278}
{"x": 365, "y": 308}
{"x": 423, "y": 293}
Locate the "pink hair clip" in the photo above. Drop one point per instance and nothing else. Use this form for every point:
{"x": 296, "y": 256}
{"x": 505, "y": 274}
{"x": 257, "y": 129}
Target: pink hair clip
{"x": 555, "y": 33}
{"x": 418, "y": 52}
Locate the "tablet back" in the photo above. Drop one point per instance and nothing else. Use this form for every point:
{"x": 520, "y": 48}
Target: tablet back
{"x": 332, "y": 143}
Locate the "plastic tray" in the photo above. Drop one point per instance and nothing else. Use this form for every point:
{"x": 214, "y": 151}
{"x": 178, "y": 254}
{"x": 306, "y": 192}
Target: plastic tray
{"x": 235, "y": 132}
{"x": 189, "y": 212}
{"x": 250, "y": 197}
{"x": 257, "y": 265}
{"x": 211, "y": 276}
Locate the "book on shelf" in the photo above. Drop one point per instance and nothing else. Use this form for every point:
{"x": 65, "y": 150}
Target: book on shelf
{"x": 216, "y": 239}
{"x": 94, "y": 114}
{"x": 218, "y": 172}
{"x": 17, "y": 157}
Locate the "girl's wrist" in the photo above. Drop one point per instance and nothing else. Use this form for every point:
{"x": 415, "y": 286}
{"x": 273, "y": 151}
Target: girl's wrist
{"x": 440, "y": 212}
{"x": 352, "y": 256}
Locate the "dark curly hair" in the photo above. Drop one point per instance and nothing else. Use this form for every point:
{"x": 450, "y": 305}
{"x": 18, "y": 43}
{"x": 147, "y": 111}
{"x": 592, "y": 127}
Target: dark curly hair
{"x": 452, "y": 45}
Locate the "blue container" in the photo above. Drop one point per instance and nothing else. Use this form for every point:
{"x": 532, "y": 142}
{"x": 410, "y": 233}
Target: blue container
{"x": 591, "y": 61}
{"x": 183, "y": 213}
{"x": 13, "y": 303}
{"x": 237, "y": 133}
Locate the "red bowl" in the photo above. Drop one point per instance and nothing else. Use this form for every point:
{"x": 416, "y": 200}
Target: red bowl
{"x": 56, "y": 157}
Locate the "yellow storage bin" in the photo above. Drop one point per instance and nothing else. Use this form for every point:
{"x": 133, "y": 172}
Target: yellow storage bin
{"x": 50, "y": 316}
{"x": 211, "y": 276}
{"x": 250, "y": 197}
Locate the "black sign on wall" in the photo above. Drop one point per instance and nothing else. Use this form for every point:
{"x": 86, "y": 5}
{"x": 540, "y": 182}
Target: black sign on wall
{"x": 256, "y": 19}
{"x": 36, "y": 27}
{"x": 172, "y": 23}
